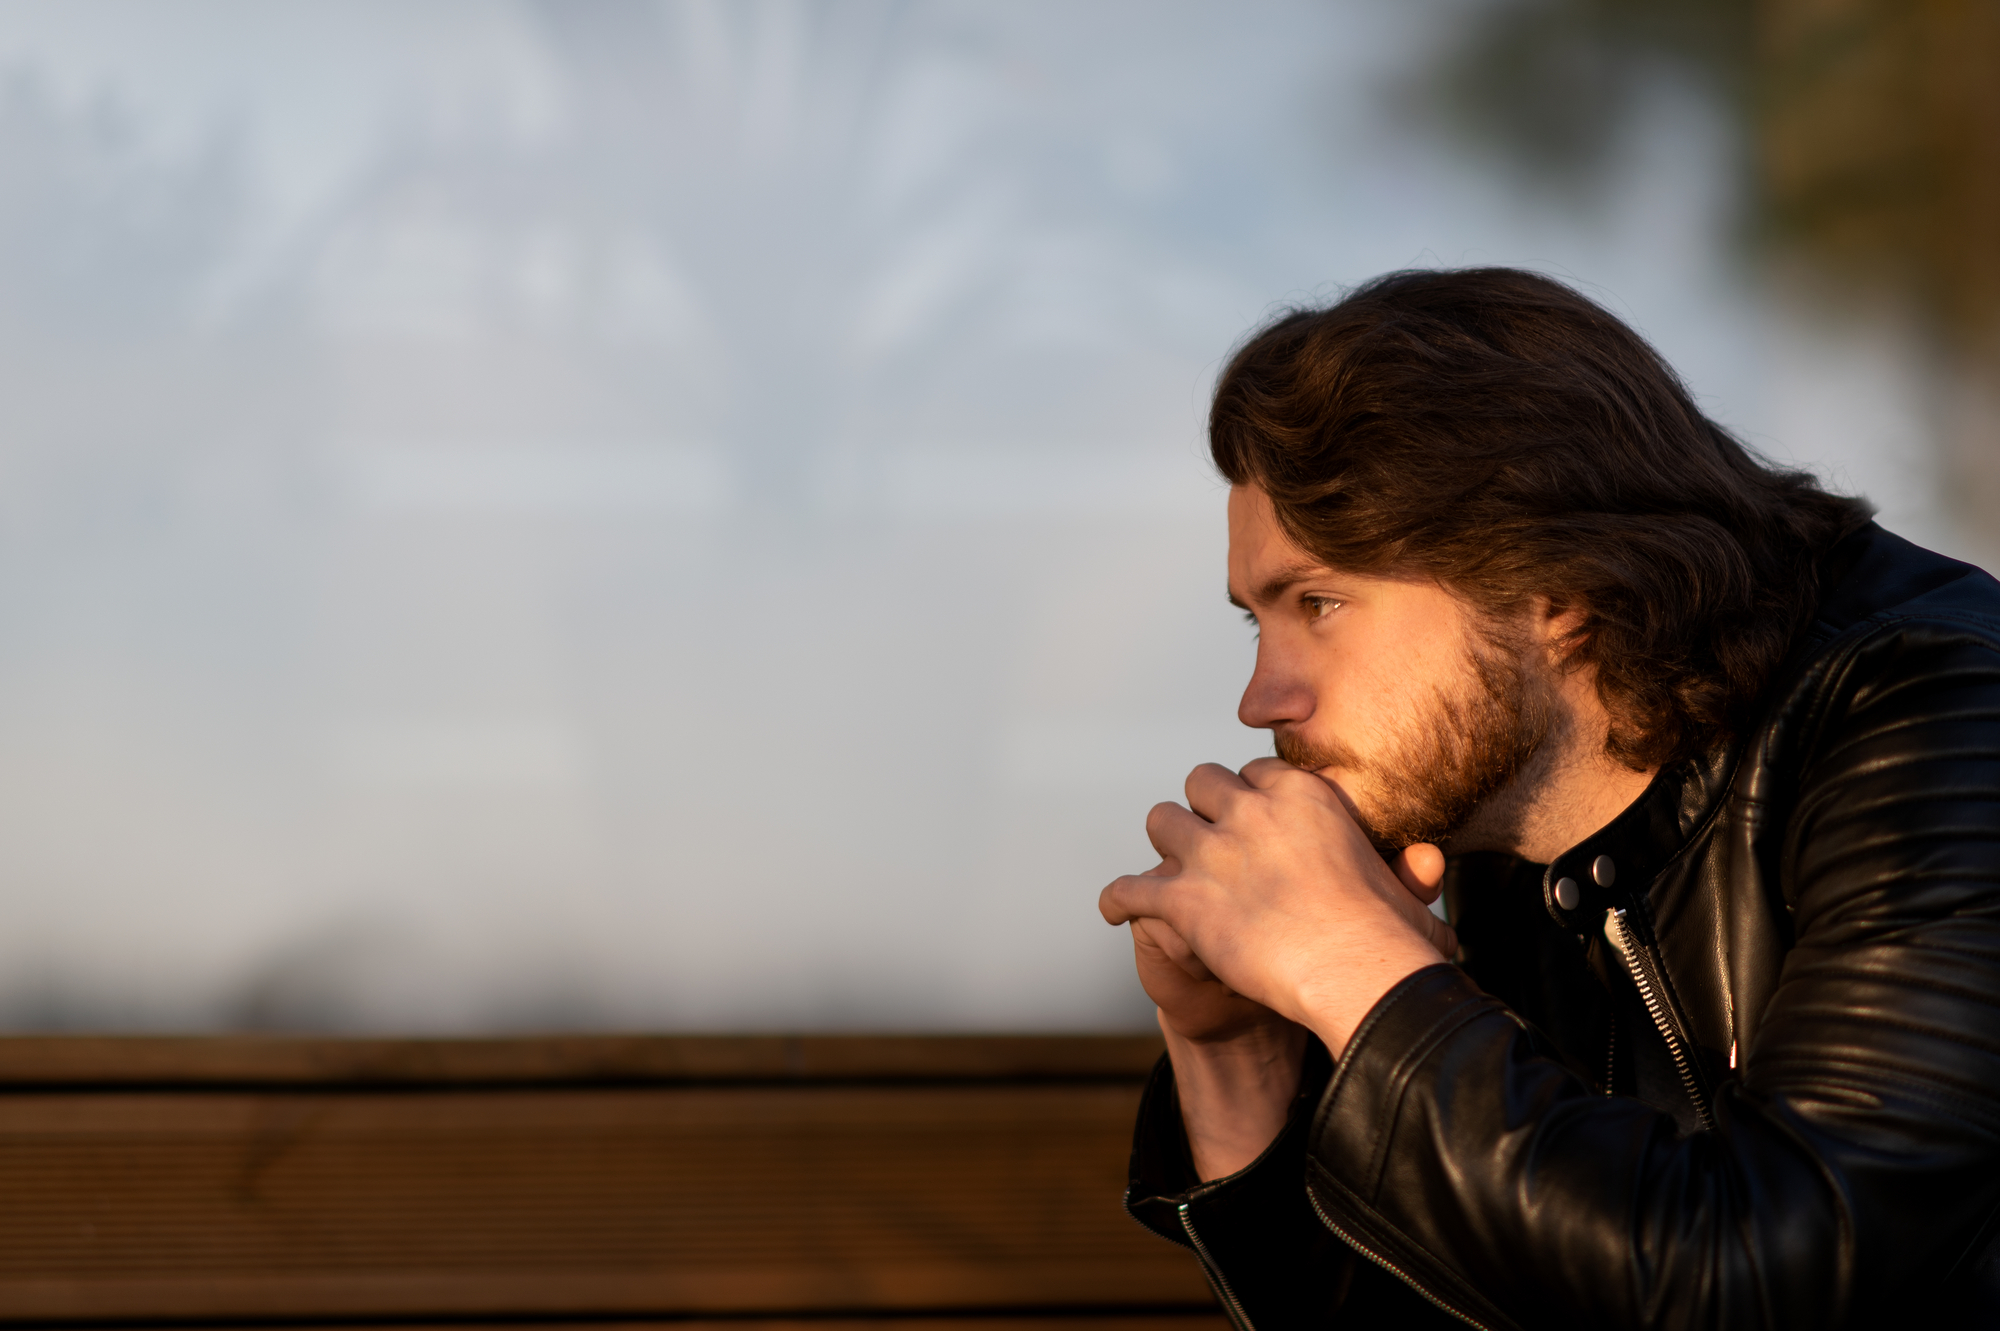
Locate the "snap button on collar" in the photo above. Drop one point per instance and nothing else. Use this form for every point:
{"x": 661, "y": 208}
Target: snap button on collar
{"x": 1568, "y": 894}
{"x": 1603, "y": 872}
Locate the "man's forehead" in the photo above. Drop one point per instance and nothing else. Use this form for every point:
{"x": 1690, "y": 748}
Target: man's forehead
{"x": 1262, "y": 553}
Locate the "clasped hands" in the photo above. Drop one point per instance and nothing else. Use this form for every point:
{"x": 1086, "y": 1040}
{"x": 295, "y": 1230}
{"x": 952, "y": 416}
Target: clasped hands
{"x": 1270, "y": 905}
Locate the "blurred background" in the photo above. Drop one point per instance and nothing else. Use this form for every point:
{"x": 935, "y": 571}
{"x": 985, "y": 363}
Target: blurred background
{"x": 611, "y": 514}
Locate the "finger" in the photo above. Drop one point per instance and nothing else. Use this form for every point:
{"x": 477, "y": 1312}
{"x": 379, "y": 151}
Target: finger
{"x": 1274, "y": 773}
{"x": 1268, "y": 773}
{"x": 1174, "y": 831}
{"x": 1159, "y": 934}
{"x": 1263, "y": 773}
{"x": 1211, "y": 788}
{"x": 1421, "y": 868}
{"x": 1132, "y": 896}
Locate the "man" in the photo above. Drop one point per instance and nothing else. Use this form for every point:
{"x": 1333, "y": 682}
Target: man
{"x": 1707, "y": 768}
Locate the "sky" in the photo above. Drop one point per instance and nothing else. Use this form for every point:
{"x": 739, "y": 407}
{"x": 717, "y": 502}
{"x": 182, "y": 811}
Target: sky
{"x": 682, "y": 516}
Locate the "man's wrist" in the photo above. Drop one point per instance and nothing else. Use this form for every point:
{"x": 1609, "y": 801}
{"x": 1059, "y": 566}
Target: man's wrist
{"x": 1334, "y": 1010}
{"x": 1235, "y": 1093}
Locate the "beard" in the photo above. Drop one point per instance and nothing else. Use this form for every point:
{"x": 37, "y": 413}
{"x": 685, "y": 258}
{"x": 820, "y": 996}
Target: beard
{"x": 1435, "y": 769}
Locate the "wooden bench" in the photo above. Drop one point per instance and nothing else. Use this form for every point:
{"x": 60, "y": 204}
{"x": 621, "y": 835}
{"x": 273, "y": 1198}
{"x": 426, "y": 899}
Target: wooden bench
{"x": 849, "y": 1181}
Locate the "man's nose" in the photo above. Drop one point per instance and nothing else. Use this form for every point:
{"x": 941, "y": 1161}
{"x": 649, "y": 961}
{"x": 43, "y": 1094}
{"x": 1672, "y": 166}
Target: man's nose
{"x": 1275, "y": 695}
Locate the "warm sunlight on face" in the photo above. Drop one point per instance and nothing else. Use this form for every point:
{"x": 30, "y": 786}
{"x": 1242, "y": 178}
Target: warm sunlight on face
{"x": 1394, "y": 690}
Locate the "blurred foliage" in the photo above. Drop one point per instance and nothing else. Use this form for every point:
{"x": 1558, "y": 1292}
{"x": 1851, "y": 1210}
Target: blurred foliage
{"x": 1868, "y": 136}
{"x": 1554, "y": 85}
{"x": 1878, "y": 146}
{"x": 1870, "y": 129}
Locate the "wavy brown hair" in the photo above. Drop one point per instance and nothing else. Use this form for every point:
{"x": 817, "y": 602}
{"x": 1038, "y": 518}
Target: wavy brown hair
{"x": 1499, "y": 432}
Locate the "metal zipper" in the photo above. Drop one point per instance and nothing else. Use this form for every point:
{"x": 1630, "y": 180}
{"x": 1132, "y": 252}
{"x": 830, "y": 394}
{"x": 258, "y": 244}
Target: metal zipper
{"x": 1387, "y": 1265}
{"x": 1611, "y": 1056}
{"x": 1237, "y": 1317}
{"x": 1640, "y": 965}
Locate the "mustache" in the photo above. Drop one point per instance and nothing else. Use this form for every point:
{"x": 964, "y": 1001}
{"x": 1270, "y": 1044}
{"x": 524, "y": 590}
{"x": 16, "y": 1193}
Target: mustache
{"x": 1296, "y": 749}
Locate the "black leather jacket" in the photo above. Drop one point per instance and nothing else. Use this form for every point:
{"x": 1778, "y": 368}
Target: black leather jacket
{"x": 1743, "y": 1072}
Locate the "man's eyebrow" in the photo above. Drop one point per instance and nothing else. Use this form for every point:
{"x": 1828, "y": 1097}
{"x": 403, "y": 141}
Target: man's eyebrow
{"x": 1276, "y": 585}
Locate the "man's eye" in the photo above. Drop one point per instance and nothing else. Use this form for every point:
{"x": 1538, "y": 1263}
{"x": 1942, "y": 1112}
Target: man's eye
{"x": 1318, "y": 607}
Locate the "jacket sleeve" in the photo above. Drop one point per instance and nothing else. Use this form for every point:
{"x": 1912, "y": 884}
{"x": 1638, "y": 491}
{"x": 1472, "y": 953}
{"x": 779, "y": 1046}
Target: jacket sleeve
{"x": 1266, "y": 1256}
{"x": 1857, "y": 1154}
{"x": 1272, "y": 1264}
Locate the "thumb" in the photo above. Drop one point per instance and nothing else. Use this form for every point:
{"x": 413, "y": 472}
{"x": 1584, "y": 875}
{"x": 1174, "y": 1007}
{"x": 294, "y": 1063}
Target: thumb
{"x": 1421, "y": 869}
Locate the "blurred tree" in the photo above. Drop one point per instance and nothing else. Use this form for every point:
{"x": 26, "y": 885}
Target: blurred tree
{"x": 1554, "y": 85}
{"x": 1879, "y": 140}
{"x": 1870, "y": 151}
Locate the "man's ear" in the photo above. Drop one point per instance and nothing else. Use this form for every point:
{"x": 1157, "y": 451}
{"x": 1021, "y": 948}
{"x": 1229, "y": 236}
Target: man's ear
{"x": 1564, "y": 627}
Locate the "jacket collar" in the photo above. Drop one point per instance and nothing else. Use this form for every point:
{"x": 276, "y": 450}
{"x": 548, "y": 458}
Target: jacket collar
{"x": 1610, "y": 868}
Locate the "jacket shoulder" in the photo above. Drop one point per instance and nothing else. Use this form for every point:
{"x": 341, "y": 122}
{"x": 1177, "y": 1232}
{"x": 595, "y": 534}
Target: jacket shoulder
{"x": 1895, "y": 620}
{"x": 1875, "y": 578}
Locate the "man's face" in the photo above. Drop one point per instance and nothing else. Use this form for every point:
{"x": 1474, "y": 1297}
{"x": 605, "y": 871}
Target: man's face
{"x": 1396, "y": 691}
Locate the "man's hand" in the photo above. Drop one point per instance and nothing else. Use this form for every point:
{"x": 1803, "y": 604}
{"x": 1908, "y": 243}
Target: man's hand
{"x": 1192, "y": 1002}
{"x": 1274, "y": 891}
{"x": 1236, "y": 1062}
